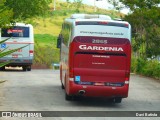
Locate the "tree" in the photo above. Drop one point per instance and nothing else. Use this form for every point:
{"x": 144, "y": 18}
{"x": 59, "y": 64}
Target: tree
{"x": 14, "y": 10}
{"x": 23, "y": 9}
{"x": 145, "y": 22}
{"x": 78, "y": 4}
{"x": 140, "y": 4}
{"x": 6, "y": 14}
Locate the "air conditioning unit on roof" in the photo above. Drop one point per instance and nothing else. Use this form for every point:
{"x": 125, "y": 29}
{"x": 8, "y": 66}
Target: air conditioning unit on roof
{"x": 90, "y": 16}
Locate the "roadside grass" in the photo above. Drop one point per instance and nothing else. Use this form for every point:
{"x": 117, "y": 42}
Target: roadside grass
{"x": 50, "y": 25}
{"x": 45, "y": 39}
{"x": 46, "y": 52}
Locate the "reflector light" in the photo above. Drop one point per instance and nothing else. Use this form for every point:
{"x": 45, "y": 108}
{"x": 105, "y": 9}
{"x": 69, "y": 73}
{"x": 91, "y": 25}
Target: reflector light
{"x": 31, "y": 51}
{"x": 71, "y": 73}
{"x": 126, "y": 82}
{"x": 103, "y": 22}
{"x": 71, "y": 79}
{"x": 126, "y": 24}
{"x": 99, "y": 84}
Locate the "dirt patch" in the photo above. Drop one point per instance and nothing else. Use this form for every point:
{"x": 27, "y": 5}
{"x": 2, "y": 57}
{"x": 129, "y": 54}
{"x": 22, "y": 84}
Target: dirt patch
{"x": 39, "y": 66}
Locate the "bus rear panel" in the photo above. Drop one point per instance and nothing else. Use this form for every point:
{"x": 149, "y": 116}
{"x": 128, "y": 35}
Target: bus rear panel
{"x": 20, "y": 35}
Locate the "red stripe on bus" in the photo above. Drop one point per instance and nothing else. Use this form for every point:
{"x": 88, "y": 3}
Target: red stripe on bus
{"x": 19, "y": 43}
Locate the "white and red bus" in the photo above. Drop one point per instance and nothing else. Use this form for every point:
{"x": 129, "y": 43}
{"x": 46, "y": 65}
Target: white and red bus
{"x": 95, "y": 55}
{"x": 19, "y": 35}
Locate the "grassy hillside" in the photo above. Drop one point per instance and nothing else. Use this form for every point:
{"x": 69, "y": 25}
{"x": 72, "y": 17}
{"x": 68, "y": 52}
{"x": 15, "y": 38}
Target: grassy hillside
{"x": 51, "y": 23}
{"x": 47, "y": 28}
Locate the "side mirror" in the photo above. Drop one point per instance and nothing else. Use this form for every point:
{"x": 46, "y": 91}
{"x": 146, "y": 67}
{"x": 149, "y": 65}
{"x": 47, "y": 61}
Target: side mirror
{"x": 59, "y": 41}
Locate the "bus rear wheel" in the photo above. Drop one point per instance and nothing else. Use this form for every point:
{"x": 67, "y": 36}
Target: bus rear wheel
{"x": 68, "y": 97}
{"x": 2, "y": 68}
{"x": 24, "y": 68}
{"x": 118, "y": 100}
{"x": 115, "y": 100}
{"x": 62, "y": 86}
{"x": 29, "y": 68}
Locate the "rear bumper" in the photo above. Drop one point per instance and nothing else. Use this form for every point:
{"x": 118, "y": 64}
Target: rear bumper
{"x": 98, "y": 91}
{"x": 17, "y": 62}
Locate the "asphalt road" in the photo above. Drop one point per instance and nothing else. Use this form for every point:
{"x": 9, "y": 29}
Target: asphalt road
{"x": 39, "y": 90}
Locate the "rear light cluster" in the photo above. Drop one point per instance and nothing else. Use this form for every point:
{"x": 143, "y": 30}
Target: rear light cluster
{"x": 71, "y": 75}
{"x": 31, "y": 53}
{"x": 127, "y": 74}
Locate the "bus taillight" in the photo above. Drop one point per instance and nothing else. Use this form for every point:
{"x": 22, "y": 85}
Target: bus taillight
{"x": 127, "y": 74}
{"x": 31, "y": 52}
{"x": 71, "y": 75}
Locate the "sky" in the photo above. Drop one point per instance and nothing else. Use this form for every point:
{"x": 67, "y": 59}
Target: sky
{"x": 101, "y": 4}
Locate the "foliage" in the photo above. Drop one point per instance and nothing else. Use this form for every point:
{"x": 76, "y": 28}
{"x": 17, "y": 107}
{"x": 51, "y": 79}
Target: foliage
{"x": 6, "y": 14}
{"x": 150, "y": 68}
{"x": 140, "y": 65}
{"x": 133, "y": 64}
{"x": 146, "y": 31}
{"x": 45, "y": 39}
{"x": 140, "y": 4}
{"x": 45, "y": 50}
{"x": 145, "y": 22}
{"x": 15, "y": 10}
{"x": 27, "y": 8}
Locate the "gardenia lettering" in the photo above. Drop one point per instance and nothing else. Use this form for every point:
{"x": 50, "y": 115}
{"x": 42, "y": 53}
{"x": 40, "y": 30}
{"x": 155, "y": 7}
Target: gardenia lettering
{"x": 84, "y": 47}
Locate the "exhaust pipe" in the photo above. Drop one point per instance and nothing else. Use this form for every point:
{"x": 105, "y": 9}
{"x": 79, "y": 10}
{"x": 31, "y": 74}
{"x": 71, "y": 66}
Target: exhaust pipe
{"x": 81, "y": 92}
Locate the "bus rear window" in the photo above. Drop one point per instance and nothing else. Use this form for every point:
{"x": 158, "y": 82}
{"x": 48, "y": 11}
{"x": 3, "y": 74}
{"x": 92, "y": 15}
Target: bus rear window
{"x": 16, "y": 31}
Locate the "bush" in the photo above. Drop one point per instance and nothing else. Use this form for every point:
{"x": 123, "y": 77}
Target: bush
{"x": 133, "y": 64}
{"x": 156, "y": 72}
{"x": 147, "y": 68}
{"x": 46, "y": 52}
{"x": 140, "y": 65}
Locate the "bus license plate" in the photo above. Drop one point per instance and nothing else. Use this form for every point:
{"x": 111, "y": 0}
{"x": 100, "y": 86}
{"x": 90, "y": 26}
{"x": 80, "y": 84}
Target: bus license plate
{"x": 14, "y": 56}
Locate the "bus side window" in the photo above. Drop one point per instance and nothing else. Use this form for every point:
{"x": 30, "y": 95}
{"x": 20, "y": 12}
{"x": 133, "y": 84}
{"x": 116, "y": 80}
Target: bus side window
{"x": 66, "y": 34}
{"x": 59, "y": 40}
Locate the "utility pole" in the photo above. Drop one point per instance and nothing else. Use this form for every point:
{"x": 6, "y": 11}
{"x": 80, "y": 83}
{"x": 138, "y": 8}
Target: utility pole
{"x": 54, "y": 5}
{"x": 95, "y": 8}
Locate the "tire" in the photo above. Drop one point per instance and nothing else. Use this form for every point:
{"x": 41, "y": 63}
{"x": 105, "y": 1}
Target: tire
{"x": 111, "y": 100}
{"x": 29, "y": 68}
{"x": 24, "y": 68}
{"x": 2, "y": 68}
{"x": 62, "y": 86}
{"x": 68, "y": 97}
{"x": 118, "y": 100}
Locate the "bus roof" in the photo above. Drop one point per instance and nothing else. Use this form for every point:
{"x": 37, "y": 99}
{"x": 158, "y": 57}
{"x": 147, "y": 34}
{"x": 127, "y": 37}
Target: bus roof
{"x": 22, "y": 24}
{"x": 85, "y": 17}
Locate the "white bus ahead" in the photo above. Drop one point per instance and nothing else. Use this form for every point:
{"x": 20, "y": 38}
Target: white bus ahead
{"x": 20, "y": 35}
